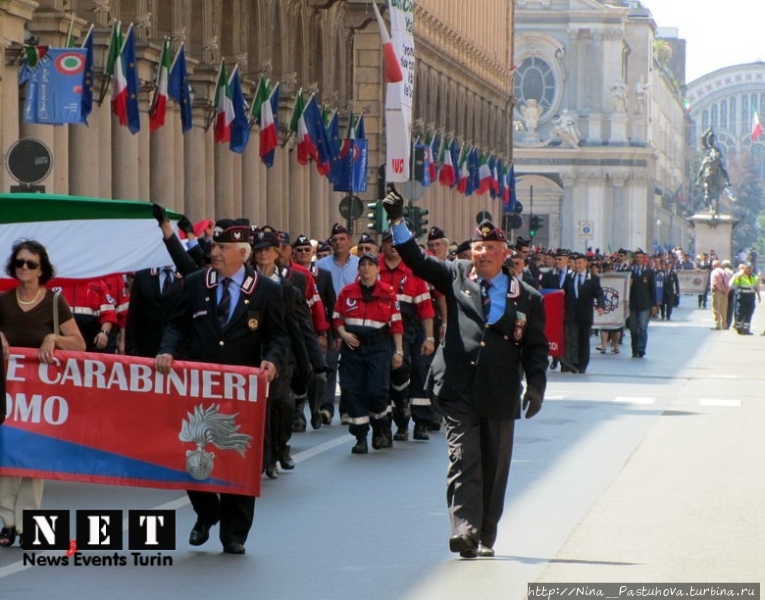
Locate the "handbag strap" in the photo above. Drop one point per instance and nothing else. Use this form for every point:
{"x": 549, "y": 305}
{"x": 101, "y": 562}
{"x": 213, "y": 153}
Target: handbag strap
{"x": 56, "y": 296}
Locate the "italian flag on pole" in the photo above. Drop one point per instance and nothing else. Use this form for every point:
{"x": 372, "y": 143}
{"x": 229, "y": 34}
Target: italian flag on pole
{"x": 67, "y": 226}
{"x": 485, "y": 178}
{"x": 224, "y": 107}
{"x": 756, "y": 127}
{"x": 158, "y": 108}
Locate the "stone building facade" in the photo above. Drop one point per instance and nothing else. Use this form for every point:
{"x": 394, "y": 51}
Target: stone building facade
{"x": 331, "y": 47}
{"x": 605, "y": 148}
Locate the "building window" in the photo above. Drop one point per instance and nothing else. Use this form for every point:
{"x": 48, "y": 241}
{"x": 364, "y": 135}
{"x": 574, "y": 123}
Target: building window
{"x": 535, "y": 80}
{"x": 724, "y": 114}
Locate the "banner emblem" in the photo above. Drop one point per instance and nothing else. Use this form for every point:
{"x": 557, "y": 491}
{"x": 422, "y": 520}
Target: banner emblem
{"x": 209, "y": 426}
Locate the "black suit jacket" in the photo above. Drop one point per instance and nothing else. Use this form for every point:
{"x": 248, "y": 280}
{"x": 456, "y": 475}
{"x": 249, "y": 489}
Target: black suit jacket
{"x": 551, "y": 280}
{"x": 480, "y": 361}
{"x": 642, "y": 290}
{"x": 590, "y": 295}
{"x": 149, "y": 312}
{"x": 256, "y": 330}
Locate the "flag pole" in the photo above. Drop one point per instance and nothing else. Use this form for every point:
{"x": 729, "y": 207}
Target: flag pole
{"x": 69, "y": 39}
{"x": 211, "y": 116}
{"x": 87, "y": 35}
{"x": 177, "y": 54}
{"x": 107, "y": 80}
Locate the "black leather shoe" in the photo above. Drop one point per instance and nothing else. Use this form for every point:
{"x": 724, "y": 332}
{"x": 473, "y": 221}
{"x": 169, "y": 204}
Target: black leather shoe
{"x": 298, "y": 426}
{"x": 420, "y": 433}
{"x": 326, "y": 417}
{"x": 463, "y": 544}
{"x": 484, "y": 551}
{"x": 200, "y": 533}
{"x": 360, "y": 447}
{"x": 233, "y": 548}
{"x": 378, "y": 441}
{"x": 401, "y": 434}
{"x": 272, "y": 472}
{"x": 286, "y": 462}
{"x": 316, "y": 420}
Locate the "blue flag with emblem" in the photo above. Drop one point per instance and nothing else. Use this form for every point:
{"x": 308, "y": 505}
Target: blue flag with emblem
{"x": 55, "y": 88}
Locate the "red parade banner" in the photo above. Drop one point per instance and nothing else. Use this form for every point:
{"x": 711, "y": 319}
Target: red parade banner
{"x": 553, "y": 305}
{"x": 102, "y": 418}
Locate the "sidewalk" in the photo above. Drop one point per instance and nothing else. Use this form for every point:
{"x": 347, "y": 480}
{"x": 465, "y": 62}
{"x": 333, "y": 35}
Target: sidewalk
{"x": 689, "y": 505}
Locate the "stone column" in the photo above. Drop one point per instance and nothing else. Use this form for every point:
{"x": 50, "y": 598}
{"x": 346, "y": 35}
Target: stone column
{"x": 125, "y": 162}
{"x": 223, "y": 175}
{"x": 162, "y": 158}
{"x": 251, "y": 198}
{"x": 195, "y": 169}
{"x": 84, "y": 158}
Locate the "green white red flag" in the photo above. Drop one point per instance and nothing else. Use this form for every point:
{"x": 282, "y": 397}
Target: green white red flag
{"x": 158, "y": 108}
{"x": 756, "y": 127}
{"x": 224, "y": 107}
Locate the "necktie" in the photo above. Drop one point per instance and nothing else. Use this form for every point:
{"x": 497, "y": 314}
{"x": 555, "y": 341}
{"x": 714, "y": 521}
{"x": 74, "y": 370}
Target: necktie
{"x": 485, "y": 300}
{"x": 225, "y": 303}
{"x": 168, "y": 274}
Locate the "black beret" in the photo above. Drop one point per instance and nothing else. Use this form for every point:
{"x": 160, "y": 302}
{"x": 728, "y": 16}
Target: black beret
{"x": 521, "y": 243}
{"x": 463, "y": 247}
{"x": 436, "y": 233}
{"x": 231, "y": 230}
{"x": 323, "y": 246}
{"x": 488, "y": 232}
{"x": 387, "y": 235}
{"x": 266, "y": 239}
{"x": 337, "y": 228}
{"x": 301, "y": 240}
{"x": 365, "y": 238}
{"x": 284, "y": 237}
{"x": 562, "y": 252}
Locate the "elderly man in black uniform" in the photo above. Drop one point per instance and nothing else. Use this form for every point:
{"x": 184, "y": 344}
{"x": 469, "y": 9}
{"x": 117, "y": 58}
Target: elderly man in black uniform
{"x": 229, "y": 314}
{"x": 496, "y": 328}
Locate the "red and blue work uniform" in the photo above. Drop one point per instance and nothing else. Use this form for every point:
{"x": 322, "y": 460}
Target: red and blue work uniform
{"x": 93, "y": 307}
{"x": 408, "y": 381}
{"x": 373, "y": 316}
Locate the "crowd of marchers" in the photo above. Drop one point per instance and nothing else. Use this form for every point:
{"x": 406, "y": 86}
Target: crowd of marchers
{"x": 342, "y": 312}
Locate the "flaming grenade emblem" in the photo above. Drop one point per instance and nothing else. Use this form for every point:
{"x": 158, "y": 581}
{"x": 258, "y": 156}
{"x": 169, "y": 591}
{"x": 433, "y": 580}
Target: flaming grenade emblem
{"x": 208, "y": 426}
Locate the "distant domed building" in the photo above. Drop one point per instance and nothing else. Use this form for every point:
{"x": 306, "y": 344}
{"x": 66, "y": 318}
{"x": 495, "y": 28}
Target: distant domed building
{"x": 726, "y": 101}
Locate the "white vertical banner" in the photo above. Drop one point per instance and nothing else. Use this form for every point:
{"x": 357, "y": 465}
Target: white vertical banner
{"x": 399, "y": 96}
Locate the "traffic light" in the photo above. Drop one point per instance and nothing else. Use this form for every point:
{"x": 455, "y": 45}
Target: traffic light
{"x": 377, "y": 216}
{"x": 535, "y": 224}
{"x": 420, "y": 223}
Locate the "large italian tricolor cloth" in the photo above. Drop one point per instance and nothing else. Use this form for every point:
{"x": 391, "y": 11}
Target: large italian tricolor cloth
{"x": 85, "y": 238}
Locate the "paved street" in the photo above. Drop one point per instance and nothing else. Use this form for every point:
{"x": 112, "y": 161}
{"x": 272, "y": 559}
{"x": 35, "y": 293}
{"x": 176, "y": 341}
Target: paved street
{"x": 642, "y": 470}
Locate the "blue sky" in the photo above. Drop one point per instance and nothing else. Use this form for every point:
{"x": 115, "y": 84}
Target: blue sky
{"x": 719, "y": 33}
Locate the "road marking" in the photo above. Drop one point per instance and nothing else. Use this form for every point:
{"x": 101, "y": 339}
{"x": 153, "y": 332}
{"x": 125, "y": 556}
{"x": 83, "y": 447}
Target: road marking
{"x": 719, "y": 402}
{"x": 719, "y": 376}
{"x": 634, "y": 400}
{"x": 554, "y": 397}
{"x": 179, "y": 502}
{"x": 311, "y": 452}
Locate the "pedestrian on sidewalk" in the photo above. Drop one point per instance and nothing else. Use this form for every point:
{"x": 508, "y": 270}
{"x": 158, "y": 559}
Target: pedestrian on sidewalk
{"x": 747, "y": 288}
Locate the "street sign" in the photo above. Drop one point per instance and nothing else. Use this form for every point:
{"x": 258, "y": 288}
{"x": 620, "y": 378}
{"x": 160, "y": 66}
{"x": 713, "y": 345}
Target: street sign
{"x": 484, "y": 215}
{"x": 586, "y": 229}
{"x": 412, "y": 190}
{"x": 29, "y": 161}
{"x": 351, "y": 207}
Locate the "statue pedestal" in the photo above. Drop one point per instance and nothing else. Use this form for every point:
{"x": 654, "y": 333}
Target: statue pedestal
{"x": 714, "y": 232}
{"x": 618, "y": 129}
{"x": 638, "y": 130}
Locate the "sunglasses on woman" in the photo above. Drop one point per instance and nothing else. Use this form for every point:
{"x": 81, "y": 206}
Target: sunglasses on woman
{"x": 20, "y": 262}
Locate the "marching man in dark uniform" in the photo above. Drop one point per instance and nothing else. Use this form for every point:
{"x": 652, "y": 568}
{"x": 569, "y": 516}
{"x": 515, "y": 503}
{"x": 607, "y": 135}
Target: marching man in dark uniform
{"x": 368, "y": 324}
{"x": 229, "y": 314}
{"x": 583, "y": 290}
{"x": 496, "y": 328}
